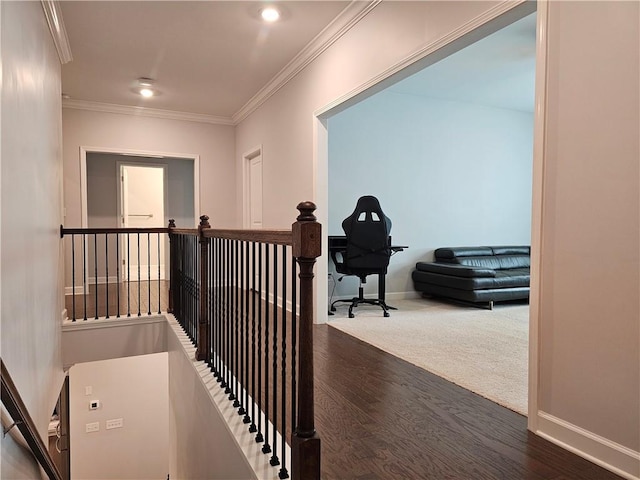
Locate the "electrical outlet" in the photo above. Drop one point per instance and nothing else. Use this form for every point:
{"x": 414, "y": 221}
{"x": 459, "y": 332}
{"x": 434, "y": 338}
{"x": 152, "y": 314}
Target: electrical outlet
{"x": 92, "y": 427}
{"x": 114, "y": 423}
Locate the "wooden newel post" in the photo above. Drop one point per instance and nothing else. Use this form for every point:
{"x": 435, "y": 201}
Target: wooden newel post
{"x": 203, "y": 336}
{"x": 172, "y": 265}
{"x": 305, "y": 443}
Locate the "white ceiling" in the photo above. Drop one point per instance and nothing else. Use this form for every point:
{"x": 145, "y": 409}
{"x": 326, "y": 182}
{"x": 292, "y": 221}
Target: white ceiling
{"x": 214, "y": 57}
{"x": 497, "y": 71}
{"x": 207, "y": 57}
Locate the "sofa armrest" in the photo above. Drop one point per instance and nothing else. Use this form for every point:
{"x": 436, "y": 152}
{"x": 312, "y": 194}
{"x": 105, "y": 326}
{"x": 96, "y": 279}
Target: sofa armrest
{"x": 455, "y": 270}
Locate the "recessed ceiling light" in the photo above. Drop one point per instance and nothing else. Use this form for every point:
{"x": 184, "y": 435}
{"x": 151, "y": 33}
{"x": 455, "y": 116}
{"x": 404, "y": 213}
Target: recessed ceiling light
{"x": 145, "y": 87}
{"x": 270, "y": 14}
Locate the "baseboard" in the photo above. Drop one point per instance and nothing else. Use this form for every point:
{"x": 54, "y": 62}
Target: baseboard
{"x": 77, "y": 290}
{"x": 102, "y": 280}
{"x": 614, "y": 457}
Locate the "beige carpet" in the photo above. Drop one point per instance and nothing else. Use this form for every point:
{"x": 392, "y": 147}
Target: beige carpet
{"x": 485, "y": 351}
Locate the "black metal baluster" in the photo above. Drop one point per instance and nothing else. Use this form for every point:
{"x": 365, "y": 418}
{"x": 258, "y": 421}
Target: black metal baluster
{"x": 159, "y": 275}
{"x": 139, "y": 277}
{"x": 266, "y": 448}
{"x": 259, "y": 436}
{"x": 106, "y": 269}
{"x": 252, "y": 427}
{"x": 128, "y": 275}
{"x": 194, "y": 290}
{"x": 241, "y": 296}
{"x": 149, "y": 273}
{"x": 212, "y": 297}
{"x": 218, "y": 297}
{"x": 234, "y": 330}
{"x": 73, "y": 276}
{"x": 283, "y": 397}
{"x": 274, "y": 458}
{"x": 118, "y": 275}
{"x": 227, "y": 353}
{"x": 95, "y": 272}
{"x": 294, "y": 341}
{"x": 85, "y": 287}
{"x": 247, "y": 292}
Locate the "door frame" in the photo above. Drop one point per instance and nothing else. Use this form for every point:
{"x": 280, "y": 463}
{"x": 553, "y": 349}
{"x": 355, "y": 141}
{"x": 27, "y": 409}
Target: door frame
{"x": 84, "y": 150}
{"x": 246, "y": 176}
{"x": 501, "y": 15}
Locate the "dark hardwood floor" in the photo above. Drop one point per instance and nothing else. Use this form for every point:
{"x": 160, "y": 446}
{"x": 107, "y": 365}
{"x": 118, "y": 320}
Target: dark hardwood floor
{"x": 380, "y": 417}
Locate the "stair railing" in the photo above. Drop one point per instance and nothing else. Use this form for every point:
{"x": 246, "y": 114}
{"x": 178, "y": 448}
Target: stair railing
{"x": 14, "y": 404}
{"x": 243, "y": 297}
{"x": 240, "y": 299}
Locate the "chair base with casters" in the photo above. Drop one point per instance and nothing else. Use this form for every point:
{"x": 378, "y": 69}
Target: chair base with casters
{"x": 355, "y": 301}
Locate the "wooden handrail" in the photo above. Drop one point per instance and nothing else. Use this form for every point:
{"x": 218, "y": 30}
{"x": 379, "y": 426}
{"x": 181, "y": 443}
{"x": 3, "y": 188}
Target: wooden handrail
{"x": 277, "y": 237}
{"x": 15, "y": 406}
{"x": 80, "y": 231}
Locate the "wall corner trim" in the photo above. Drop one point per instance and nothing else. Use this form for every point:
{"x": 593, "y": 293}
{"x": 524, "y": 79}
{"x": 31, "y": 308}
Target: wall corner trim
{"x": 349, "y": 17}
{"x": 608, "y": 454}
{"x": 53, "y": 14}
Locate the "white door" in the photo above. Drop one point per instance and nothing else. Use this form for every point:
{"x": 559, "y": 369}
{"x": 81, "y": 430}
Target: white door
{"x": 142, "y": 205}
{"x": 255, "y": 192}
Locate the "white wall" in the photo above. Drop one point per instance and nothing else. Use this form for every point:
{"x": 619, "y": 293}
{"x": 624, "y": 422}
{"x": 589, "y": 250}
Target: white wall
{"x": 134, "y": 389}
{"x": 589, "y": 305}
{"x": 31, "y": 176}
{"x": 213, "y": 143}
{"x": 446, "y": 173}
{"x": 590, "y": 288}
{"x": 202, "y": 445}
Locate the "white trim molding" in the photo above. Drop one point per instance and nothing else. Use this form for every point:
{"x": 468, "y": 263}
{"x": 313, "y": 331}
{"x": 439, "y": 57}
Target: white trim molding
{"x": 610, "y": 455}
{"x": 53, "y": 14}
{"x": 410, "y": 65}
{"x": 145, "y": 112}
{"x": 349, "y": 17}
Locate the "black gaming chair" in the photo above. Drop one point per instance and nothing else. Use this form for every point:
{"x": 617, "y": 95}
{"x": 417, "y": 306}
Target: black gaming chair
{"x": 367, "y": 252}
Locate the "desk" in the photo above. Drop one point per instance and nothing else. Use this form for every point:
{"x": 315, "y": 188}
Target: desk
{"x": 338, "y": 243}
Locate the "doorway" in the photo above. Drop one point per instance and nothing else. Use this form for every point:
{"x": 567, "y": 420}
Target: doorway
{"x": 252, "y": 171}
{"x": 143, "y": 196}
{"x": 414, "y": 170}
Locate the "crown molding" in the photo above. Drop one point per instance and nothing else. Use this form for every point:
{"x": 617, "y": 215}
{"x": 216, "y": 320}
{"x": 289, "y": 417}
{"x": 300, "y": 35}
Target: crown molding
{"x": 349, "y": 17}
{"x": 145, "y": 112}
{"x": 53, "y": 15}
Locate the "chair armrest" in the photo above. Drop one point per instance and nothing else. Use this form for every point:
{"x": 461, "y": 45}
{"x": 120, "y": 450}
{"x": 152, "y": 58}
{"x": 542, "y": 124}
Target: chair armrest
{"x": 338, "y": 257}
{"x": 455, "y": 270}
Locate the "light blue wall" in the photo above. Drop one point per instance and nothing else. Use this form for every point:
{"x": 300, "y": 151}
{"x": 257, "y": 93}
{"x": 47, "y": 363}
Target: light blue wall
{"x": 446, "y": 173}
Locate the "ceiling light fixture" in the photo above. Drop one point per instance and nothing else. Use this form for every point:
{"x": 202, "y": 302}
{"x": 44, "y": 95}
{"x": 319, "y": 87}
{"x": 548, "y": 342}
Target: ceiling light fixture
{"x": 270, "y": 14}
{"x": 145, "y": 87}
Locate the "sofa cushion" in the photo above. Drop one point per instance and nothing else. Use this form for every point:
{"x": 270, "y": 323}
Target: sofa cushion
{"x": 450, "y": 253}
{"x": 511, "y": 250}
{"x": 456, "y": 270}
{"x": 517, "y": 277}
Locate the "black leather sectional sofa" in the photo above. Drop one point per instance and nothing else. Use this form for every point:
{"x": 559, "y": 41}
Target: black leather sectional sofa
{"x": 480, "y": 275}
